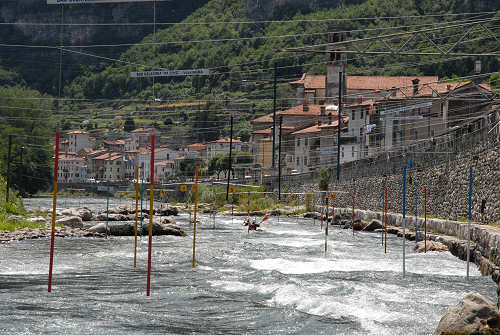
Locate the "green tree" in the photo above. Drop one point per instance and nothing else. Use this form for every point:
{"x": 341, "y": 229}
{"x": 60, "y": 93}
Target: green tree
{"x": 323, "y": 180}
{"x": 129, "y": 124}
{"x": 26, "y": 114}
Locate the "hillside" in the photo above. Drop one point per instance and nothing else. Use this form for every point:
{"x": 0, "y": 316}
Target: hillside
{"x": 241, "y": 58}
{"x": 39, "y": 67}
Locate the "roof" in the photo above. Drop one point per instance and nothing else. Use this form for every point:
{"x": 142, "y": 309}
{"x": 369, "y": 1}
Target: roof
{"x": 69, "y": 157}
{"x": 365, "y": 82}
{"x": 142, "y": 130}
{"x": 196, "y": 146}
{"x": 77, "y": 132}
{"x": 108, "y": 156}
{"x": 226, "y": 140}
{"x": 268, "y": 131}
{"x": 162, "y": 163}
{"x": 317, "y": 128}
{"x": 117, "y": 142}
{"x": 296, "y": 110}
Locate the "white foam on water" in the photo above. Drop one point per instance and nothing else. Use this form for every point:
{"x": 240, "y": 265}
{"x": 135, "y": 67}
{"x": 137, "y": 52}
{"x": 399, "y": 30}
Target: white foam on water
{"x": 277, "y": 231}
{"x": 294, "y": 243}
{"x": 287, "y": 266}
{"x": 232, "y": 286}
{"x": 205, "y": 268}
{"x": 359, "y": 306}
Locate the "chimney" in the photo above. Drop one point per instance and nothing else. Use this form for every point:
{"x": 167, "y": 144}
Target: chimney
{"x": 319, "y": 123}
{"x": 448, "y": 87}
{"x": 393, "y": 91}
{"x": 305, "y": 107}
{"x": 329, "y": 118}
{"x": 323, "y": 108}
{"x": 415, "y": 85}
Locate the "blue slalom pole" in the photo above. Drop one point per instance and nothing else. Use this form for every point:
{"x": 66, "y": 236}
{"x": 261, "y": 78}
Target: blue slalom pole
{"x": 468, "y": 225}
{"x": 404, "y": 218}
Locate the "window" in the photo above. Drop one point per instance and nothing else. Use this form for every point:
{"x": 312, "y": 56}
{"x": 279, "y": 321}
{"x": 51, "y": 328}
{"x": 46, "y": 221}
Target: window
{"x": 298, "y": 142}
{"x": 353, "y": 115}
{"x": 352, "y": 151}
{"x": 362, "y": 115}
{"x": 297, "y": 161}
{"x": 306, "y": 142}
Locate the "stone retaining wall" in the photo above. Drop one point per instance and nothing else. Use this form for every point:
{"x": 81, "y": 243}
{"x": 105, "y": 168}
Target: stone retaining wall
{"x": 447, "y": 188}
{"x": 485, "y": 239}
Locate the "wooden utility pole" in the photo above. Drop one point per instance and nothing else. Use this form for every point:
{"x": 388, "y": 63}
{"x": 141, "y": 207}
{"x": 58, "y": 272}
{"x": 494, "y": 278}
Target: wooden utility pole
{"x": 8, "y": 170}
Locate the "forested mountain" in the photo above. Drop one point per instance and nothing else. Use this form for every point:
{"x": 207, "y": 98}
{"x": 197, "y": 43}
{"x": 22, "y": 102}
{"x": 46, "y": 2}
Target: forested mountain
{"x": 39, "y": 66}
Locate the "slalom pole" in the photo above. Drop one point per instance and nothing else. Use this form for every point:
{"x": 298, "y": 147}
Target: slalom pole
{"x": 326, "y": 229}
{"x": 416, "y": 217}
{"x": 382, "y": 233}
{"x": 321, "y": 216}
{"x": 151, "y": 207}
{"x": 195, "y": 208}
{"x": 353, "y": 204}
{"x": 232, "y": 207}
{"x": 425, "y": 219}
{"x": 136, "y": 210}
{"x": 54, "y": 203}
{"x": 385, "y": 219}
{"x": 142, "y": 195}
{"x": 468, "y": 225}
{"x": 248, "y": 214}
{"x": 404, "y": 218}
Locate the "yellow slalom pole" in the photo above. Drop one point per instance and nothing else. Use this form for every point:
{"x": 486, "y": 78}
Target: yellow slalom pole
{"x": 136, "y": 210}
{"x": 195, "y": 208}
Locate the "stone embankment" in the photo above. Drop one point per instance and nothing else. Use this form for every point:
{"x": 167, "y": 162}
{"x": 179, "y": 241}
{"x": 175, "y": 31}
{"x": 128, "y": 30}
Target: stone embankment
{"x": 82, "y": 222}
{"x": 485, "y": 240}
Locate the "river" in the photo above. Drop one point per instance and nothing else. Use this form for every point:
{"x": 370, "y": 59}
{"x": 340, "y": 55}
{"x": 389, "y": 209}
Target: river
{"x": 279, "y": 281}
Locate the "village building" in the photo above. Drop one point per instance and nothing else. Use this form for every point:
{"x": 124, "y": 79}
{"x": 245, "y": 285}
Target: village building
{"x": 71, "y": 168}
{"x": 78, "y": 139}
{"x": 221, "y": 146}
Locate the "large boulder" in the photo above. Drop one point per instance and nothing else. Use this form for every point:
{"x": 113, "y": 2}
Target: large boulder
{"x": 170, "y": 211}
{"x": 37, "y": 219}
{"x": 15, "y": 218}
{"x": 472, "y": 313}
{"x": 431, "y": 246}
{"x": 121, "y": 209}
{"x": 162, "y": 229}
{"x": 127, "y": 229}
{"x": 71, "y": 221}
{"x": 85, "y": 214}
{"x": 67, "y": 212}
{"x": 112, "y": 217}
{"x": 374, "y": 224}
{"x": 312, "y": 215}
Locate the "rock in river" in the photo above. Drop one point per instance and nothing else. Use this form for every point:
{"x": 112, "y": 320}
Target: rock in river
{"x": 127, "y": 229}
{"x": 472, "y": 313}
{"x": 431, "y": 246}
{"x": 71, "y": 221}
{"x": 375, "y": 224}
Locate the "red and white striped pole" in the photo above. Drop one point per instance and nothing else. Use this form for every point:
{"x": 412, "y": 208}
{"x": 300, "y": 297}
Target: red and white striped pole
{"x": 54, "y": 203}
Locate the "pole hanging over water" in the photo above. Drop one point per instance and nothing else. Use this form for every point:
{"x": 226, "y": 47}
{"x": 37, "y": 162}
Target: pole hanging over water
{"x": 425, "y": 219}
{"x": 230, "y": 159}
{"x": 54, "y": 203}
{"x": 326, "y": 229}
{"x": 353, "y": 205}
{"x": 385, "y": 219}
{"x": 468, "y": 225}
{"x": 136, "y": 212}
{"x": 404, "y": 218}
{"x": 151, "y": 209}
{"x": 195, "y": 209}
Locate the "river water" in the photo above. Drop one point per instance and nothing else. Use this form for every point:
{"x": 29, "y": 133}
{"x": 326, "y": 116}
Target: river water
{"x": 279, "y": 281}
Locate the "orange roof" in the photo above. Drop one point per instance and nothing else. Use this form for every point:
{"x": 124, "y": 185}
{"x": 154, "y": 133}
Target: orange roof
{"x": 69, "y": 157}
{"x": 263, "y": 131}
{"x": 226, "y": 140}
{"x": 117, "y": 142}
{"x": 108, "y": 156}
{"x": 309, "y": 130}
{"x": 164, "y": 163}
{"x": 365, "y": 82}
{"x": 196, "y": 147}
